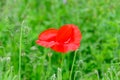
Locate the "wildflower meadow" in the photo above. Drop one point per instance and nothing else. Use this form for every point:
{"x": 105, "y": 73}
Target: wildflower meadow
{"x": 59, "y": 39}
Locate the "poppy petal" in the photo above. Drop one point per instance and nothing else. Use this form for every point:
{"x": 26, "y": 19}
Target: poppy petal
{"x": 48, "y": 35}
{"x": 76, "y": 34}
{"x": 69, "y": 37}
{"x": 64, "y": 33}
{"x": 71, "y": 47}
{"x": 65, "y": 47}
{"x": 59, "y": 48}
{"x": 45, "y": 43}
{"x": 47, "y": 38}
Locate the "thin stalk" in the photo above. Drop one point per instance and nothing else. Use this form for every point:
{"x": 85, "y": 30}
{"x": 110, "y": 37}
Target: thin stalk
{"x": 20, "y": 50}
{"x": 62, "y": 60}
{"x": 72, "y": 65}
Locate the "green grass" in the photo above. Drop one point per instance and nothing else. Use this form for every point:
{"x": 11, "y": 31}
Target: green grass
{"x": 98, "y": 57}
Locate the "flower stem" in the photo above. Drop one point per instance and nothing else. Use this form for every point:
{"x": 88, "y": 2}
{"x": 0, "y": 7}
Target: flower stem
{"x": 20, "y": 50}
{"x": 73, "y": 65}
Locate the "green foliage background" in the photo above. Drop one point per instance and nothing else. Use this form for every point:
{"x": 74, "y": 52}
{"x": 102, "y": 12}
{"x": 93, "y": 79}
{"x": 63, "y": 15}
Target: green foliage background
{"x": 98, "y": 57}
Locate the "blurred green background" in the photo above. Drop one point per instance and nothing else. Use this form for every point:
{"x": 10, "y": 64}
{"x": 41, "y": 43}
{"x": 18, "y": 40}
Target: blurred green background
{"x": 98, "y": 57}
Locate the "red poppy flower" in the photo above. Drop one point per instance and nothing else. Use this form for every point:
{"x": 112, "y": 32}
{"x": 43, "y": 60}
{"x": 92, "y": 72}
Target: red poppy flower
{"x": 67, "y": 38}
